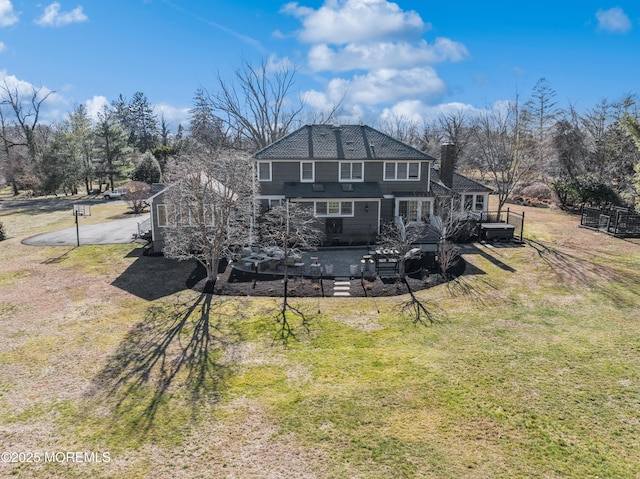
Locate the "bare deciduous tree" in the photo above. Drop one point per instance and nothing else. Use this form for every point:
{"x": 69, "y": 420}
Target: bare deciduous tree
{"x": 456, "y": 128}
{"x": 290, "y": 227}
{"x": 209, "y": 205}
{"x": 450, "y": 225}
{"x": 403, "y": 129}
{"x": 26, "y": 114}
{"x": 401, "y": 236}
{"x": 257, "y": 107}
{"x": 22, "y": 132}
{"x": 137, "y": 194}
{"x": 504, "y": 150}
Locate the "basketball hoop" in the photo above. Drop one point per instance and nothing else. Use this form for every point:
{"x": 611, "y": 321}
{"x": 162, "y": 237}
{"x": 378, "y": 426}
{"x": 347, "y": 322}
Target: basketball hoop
{"x": 81, "y": 210}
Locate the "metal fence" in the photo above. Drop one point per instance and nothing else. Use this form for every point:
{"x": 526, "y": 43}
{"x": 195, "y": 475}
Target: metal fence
{"x": 505, "y": 216}
{"x": 615, "y": 220}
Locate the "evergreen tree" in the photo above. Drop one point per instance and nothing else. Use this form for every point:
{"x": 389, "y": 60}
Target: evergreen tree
{"x": 111, "y": 146}
{"x": 148, "y": 170}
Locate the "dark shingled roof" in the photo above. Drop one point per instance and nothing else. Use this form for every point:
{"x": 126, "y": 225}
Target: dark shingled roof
{"x": 349, "y": 142}
{"x": 461, "y": 184}
{"x": 332, "y": 190}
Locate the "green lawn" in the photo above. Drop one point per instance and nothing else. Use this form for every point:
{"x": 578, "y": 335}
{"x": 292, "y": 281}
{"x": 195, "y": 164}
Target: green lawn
{"x": 531, "y": 370}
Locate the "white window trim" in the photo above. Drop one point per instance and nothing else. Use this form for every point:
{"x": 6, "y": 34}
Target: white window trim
{"x": 329, "y": 215}
{"x": 313, "y": 172}
{"x": 162, "y": 218}
{"x": 395, "y": 170}
{"x": 186, "y": 215}
{"x": 485, "y": 201}
{"x": 271, "y": 198}
{"x": 270, "y": 170}
{"x": 420, "y": 200}
{"x": 474, "y": 202}
{"x": 350, "y": 179}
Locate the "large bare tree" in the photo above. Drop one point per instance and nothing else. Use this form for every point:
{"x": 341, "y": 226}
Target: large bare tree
{"x": 503, "y": 148}
{"x": 258, "y": 106}
{"x": 209, "y": 206}
{"x": 19, "y": 130}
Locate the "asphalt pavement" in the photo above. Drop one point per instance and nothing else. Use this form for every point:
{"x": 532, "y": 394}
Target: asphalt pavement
{"x": 113, "y": 232}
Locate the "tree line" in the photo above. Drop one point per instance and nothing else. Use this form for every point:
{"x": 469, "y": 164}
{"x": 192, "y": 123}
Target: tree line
{"x": 582, "y": 157}
{"x": 579, "y": 157}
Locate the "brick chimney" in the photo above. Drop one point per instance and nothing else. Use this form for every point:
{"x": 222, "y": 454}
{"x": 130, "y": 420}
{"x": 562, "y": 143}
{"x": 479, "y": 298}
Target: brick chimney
{"x": 447, "y": 163}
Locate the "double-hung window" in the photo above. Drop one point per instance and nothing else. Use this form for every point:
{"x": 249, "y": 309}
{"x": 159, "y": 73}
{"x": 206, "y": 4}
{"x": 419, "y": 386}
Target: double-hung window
{"x": 351, "y": 171}
{"x": 307, "y": 172}
{"x": 402, "y": 170}
{"x": 264, "y": 171}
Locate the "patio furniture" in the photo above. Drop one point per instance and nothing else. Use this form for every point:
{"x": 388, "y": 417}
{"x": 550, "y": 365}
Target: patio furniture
{"x": 387, "y": 266}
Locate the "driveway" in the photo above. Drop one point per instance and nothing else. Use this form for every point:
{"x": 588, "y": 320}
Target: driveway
{"x": 113, "y": 232}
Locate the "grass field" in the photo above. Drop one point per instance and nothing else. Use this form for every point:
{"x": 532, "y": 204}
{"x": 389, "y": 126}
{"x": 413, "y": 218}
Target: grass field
{"x": 531, "y": 370}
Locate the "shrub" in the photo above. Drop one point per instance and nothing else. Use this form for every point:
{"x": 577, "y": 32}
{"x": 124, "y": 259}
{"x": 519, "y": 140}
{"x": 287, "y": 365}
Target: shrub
{"x": 137, "y": 194}
{"x": 538, "y": 191}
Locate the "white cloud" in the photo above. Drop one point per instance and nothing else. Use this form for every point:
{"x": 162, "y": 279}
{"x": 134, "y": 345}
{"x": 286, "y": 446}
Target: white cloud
{"x": 7, "y": 15}
{"x": 174, "y": 116}
{"x": 613, "y": 20}
{"x": 389, "y": 85}
{"x": 382, "y": 46}
{"x": 366, "y": 56}
{"x": 360, "y": 95}
{"x": 340, "y": 22}
{"x": 53, "y": 17}
{"x": 24, "y": 88}
{"x": 95, "y": 106}
{"x": 418, "y": 112}
{"x": 2, "y": 47}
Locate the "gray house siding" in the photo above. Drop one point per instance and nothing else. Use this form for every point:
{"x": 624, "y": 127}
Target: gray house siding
{"x": 157, "y": 231}
{"x": 326, "y": 171}
{"x": 371, "y": 192}
{"x": 387, "y": 210}
{"x": 360, "y": 228}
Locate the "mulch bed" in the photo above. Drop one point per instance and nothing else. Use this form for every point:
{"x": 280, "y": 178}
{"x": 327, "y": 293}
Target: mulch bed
{"x": 305, "y": 287}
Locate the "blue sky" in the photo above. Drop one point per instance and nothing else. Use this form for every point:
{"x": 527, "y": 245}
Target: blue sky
{"x": 409, "y": 58}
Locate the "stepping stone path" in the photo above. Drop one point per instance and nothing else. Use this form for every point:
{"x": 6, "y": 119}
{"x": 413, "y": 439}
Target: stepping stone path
{"x": 342, "y": 288}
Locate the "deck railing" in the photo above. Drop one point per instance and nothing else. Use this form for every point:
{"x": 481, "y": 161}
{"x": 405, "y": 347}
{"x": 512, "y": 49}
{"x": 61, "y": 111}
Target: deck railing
{"x": 144, "y": 227}
{"x": 504, "y": 216}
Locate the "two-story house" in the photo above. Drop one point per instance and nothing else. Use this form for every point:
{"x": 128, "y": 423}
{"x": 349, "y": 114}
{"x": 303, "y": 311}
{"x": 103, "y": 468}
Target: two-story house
{"x": 355, "y": 178}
